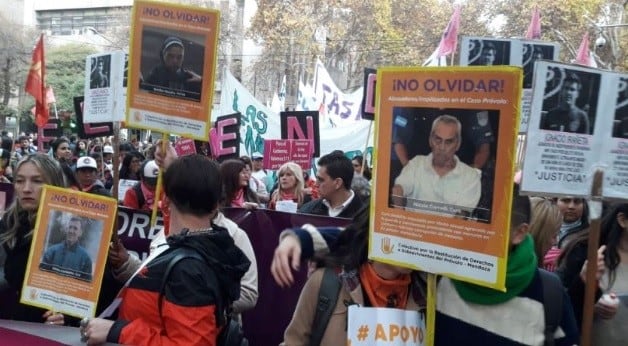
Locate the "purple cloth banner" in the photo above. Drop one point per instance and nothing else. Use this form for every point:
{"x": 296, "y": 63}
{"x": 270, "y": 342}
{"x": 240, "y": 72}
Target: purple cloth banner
{"x": 265, "y": 324}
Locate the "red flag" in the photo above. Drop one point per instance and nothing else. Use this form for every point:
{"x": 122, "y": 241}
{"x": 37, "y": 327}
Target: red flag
{"x": 534, "y": 29}
{"x": 584, "y": 56}
{"x": 449, "y": 40}
{"x": 35, "y": 83}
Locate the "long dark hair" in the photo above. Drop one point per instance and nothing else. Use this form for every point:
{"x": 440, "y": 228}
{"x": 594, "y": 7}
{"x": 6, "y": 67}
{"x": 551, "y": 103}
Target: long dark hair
{"x": 351, "y": 249}
{"x": 230, "y": 171}
{"x": 610, "y": 235}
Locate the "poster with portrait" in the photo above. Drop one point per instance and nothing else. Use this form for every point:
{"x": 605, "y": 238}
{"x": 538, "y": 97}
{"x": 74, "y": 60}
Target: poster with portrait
{"x": 489, "y": 51}
{"x": 455, "y": 127}
{"x": 564, "y": 133}
{"x": 615, "y": 146}
{"x": 69, "y": 251}
{"x": 104, "y": 91}
{"x": 533, "y": 51}
{"x": 171, "y": 69}
{"x": 84, "y": 130}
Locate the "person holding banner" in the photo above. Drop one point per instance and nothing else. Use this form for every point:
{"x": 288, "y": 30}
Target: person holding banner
{"x": 181, "y": 293}
{"x": 363, "y": 282}
{"x": 290, "y": 187}
{"x": 443, "y": 177}
{"x": 16, "y": 228}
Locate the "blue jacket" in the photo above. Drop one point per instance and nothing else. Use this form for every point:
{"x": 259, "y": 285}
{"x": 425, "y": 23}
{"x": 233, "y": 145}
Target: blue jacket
{"x": 63, "y": 259}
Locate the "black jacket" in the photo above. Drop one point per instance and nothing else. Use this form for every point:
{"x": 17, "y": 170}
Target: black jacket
{"x": 317, "y": 207}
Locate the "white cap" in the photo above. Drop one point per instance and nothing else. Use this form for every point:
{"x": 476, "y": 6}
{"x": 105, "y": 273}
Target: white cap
{"x": 86, "y": 162}
{"x": 151, "y": 170}
{"x": 108, "y": 149}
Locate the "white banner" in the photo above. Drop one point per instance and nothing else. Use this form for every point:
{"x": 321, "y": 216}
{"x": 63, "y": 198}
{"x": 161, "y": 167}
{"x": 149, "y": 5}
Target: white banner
{"x": 336, "y": 108}
{"x": 384, "y": 326}
{"x": 259, "y": 122}
{"x": 105, "y": 87}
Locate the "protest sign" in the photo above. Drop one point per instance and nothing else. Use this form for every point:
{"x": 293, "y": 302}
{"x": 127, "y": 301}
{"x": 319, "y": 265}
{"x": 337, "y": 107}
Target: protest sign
{"x": 279, "y": 151}
{"x": 123, "y": 185}
{"x": 489, "y": 51}
{"x": 105, "y": 91}
{"x": 385, "y": 326}
{"x": 368, "y": 98}
{"x": 224, "y": 137}
{"x": 67, "y": 258}
{"x": 568, "y": 125}
{"x": 48, "y": 133}
{"x": 302, "y": 125}
{"x": 6, "y": 197}
{"x": 336, "y": 108}
{"x": 89, "y": 130}
{"x": 185, "y": 146}
{"x": 447, "y": 125}
{"x": 259, "y": 122}
{"x": 171, "y": 70}
{"x": 533, "y": 51}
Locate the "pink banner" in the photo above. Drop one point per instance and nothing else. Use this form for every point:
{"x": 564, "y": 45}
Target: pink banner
{"x": 279, "y": 151}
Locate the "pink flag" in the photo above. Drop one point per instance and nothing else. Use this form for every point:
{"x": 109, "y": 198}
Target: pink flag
{"x": 534, "y": 29}
{"x": 584, "y": 56}
{"x": 50, "y": 95}
{"x": 449, "y": 40}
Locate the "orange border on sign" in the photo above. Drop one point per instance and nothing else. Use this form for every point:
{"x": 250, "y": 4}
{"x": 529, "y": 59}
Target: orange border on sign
{"x": 495, "y": 242}
{"x": 179, "y": 109}
{"x": 51, "y": 199}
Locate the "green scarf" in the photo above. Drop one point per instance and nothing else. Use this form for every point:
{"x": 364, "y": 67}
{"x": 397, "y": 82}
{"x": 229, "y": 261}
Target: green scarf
{"x": 519, "y": 273}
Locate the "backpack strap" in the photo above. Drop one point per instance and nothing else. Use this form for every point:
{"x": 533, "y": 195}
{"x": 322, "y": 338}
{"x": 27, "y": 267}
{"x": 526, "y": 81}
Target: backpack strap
{"x": 162, "y": 288}
{"x": 552, "y": 303}
{"x": 327, "y": 298}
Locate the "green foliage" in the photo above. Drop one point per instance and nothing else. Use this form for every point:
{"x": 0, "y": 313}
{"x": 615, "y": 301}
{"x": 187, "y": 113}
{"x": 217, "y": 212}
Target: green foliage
{"x": 65, "y": 72}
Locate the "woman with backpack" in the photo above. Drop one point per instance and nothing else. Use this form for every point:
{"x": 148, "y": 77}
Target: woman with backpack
{"x": 361, "y": 281}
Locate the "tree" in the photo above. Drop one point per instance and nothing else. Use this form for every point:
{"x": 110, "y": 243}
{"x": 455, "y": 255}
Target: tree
{"x": 65, "y": 73}
{"x": 15, "y": 51}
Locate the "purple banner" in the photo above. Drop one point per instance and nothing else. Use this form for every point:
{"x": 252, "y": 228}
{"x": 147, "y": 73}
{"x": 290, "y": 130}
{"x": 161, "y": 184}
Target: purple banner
{"x": 263, "y": 227}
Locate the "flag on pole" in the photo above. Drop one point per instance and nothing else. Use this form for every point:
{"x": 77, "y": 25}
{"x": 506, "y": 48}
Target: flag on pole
{"x": 282, "y": 93}
{"x": 449, "y": 40}
{"x": 50, "y": 95}
{"x": 534, "y": 29}
{"x": 35, "y": 83}
{"x": 584, "y": 55}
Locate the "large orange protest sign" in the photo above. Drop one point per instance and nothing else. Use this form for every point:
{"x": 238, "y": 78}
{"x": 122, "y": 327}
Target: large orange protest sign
{"x": 444, "y": 169}
{"x": 171, "y": 69}
{"x": 69, "y": 251}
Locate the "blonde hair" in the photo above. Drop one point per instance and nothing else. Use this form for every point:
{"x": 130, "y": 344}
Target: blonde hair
{"x": 545, "y": 223}
{"x": 52, "y": 174}
{"x": 298, "y": 189}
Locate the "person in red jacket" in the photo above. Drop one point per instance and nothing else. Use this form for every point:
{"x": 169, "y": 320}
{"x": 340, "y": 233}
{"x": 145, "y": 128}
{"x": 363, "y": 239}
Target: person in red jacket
{"x": 188, "y": 305}
{"x": 142, "y": 194}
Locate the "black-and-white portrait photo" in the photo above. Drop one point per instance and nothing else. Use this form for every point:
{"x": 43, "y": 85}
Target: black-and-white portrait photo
{"x": 570, "y": 100}
{"x": 532, "y": 52}
{"x": 100, "y": 72}
{"x": 482, "y": 52}
{"x": 620, "y": 125}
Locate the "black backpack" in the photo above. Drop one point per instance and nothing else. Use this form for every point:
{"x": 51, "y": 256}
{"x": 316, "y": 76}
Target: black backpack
{"x": 330, "y": 286}
{"x": 232, "y": 333}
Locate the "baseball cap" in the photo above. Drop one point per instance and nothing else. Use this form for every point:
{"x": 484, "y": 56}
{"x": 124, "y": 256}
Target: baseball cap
{"x": 150, "y": 171}
{"x": 257, "y": 155}
{"x": 86, "y": 162}
{"x": 108, "y": 149}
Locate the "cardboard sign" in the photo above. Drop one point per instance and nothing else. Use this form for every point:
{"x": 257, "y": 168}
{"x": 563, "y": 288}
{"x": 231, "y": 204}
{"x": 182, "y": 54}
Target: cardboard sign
{"x": 89, "y": 130}
{"x": 455, "y": 223}
{"x": 368, "y": 98}
{"x": 67, "y": 258}
{"x": 185, "y": 146}
{"x": 384, "y": 326}
{"x": 172, "y": 63}
{"x": 302, "y": 125}
{"x": 105, "y": 88}
{"x": 279, "y": 151}
{"x": 224, "y": 137}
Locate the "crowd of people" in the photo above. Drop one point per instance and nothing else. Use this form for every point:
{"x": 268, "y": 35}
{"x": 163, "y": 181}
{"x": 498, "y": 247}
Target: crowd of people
{"x": 201, "y": 272}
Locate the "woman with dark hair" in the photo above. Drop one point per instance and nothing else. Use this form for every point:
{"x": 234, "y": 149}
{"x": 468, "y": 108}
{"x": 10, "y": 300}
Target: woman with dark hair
{"x": 363, "y": 282}
{"x": 60, "y": 149}
{"x": 358, "y": 163}
{"x": 609, "y": 319}
{"x": 16, "y": 234}
{"x": 131, "y": 165}
{"x": 81, "y": 149}
{"x": 236, "y": 189}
